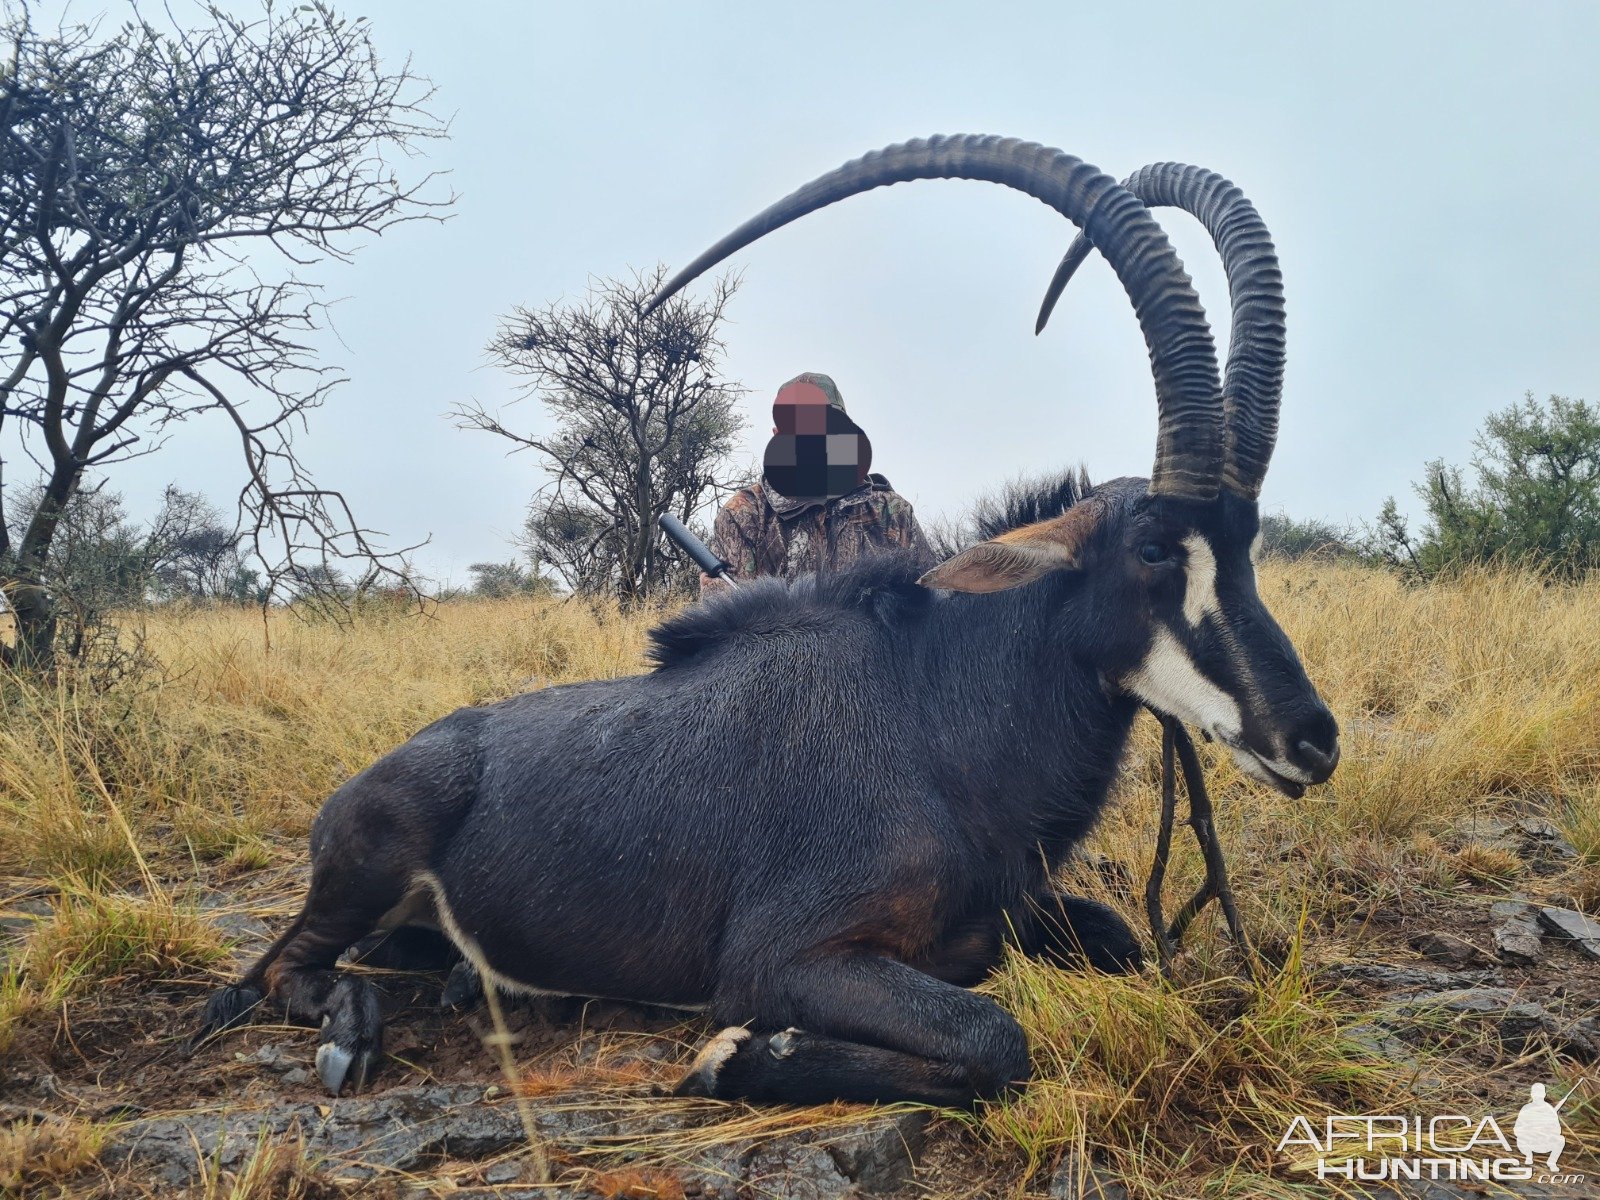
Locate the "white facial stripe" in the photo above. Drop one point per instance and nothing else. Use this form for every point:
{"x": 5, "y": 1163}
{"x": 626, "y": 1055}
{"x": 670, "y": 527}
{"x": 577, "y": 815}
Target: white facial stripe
{"x": 1200, "y": 589}
{"x": 1255, "y": 546}
{"x": 1169, "y": 681}
{"x": 1252, "y": 766}
{"x": 1286, "y": 768}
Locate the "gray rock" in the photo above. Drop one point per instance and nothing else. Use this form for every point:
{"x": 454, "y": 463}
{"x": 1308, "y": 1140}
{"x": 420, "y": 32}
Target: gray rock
{"x": 1406, "y": 979}
{"x": 402, "y": 1129}
{"x": 1484, "y": 829}
{"x": 38, "y": 902}
{"x": 171, "y": 1148}
{"x": 1448, "y": 948}
{"x": 879, "y": 1155}
{"x": 1574, "y": 926}
{"x": 1076, "y": 1178}
{"x": 1580, "y": 1037}
{"x": 277, "y": 1058}
{"x": 15, "y": 929}
{"x": 1381, "y": 1042}
{"x": 721, "y": 1174}
{"x": 576, "y": 1122}
{"x": 405, "y": 1132}
{"x": 1515, "y": 907}
{"x": 1533, "y": 839}
{"x": 243, "y": 929}
{"x": 490, "y": 1192}
{"x": 19, "y": 917}
{"x": 1467, "y": 1001}
{"x": 1514, "y": 1020}
{"x": 797, "y": 1172}
{"x": 1517, "y": 937}
{"x": 1541, "y": 845}
{"x": 505, "y": 1172}
{"x": 408, "y": 1129}
{"x": 1540, "y": 832}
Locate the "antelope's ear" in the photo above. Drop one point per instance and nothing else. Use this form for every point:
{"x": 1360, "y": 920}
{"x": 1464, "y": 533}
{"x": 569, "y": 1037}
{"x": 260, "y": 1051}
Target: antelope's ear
{"x": 996, "y": 566}
{"x": 1019, "y": 556}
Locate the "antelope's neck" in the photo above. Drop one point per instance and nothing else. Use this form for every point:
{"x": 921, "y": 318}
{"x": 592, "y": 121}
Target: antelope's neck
{"x": 1034, "y": 739}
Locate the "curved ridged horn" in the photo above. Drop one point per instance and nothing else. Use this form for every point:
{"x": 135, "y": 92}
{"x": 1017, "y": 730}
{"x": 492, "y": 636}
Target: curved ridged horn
{"x": 1182, "y": 355}
{"x": 1252, "y": 387}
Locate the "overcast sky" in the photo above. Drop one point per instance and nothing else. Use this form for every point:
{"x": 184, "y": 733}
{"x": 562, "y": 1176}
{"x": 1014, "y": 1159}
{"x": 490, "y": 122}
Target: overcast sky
{"x": 1429, "y": 173}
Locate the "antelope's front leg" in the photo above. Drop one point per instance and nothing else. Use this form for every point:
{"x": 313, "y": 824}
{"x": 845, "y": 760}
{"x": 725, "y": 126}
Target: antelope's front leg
{"x": 865, "y": 1029}
{"x": 1072, "y": 932}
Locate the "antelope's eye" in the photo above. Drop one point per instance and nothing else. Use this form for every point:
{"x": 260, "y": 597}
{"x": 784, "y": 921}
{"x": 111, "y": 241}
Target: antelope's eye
{"x": 1154, "y": 553}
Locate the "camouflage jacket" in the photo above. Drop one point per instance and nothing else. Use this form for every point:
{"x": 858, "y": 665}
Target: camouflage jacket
{"x": 759, "y": 532}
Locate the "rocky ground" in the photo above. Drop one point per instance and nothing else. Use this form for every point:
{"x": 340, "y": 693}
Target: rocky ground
{"x": 1498, "y": 978}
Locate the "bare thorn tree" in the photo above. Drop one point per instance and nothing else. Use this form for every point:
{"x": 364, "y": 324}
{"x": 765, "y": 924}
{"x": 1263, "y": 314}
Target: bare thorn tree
{"x": 161, "y": 195}
{"x": 644, "y": 425}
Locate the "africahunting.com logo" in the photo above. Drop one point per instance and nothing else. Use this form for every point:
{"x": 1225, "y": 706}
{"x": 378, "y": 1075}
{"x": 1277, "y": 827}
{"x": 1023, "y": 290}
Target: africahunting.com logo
{"x": 1443, "y": 1146}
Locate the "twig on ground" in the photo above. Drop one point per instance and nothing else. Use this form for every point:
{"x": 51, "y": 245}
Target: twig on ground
{"x": 501, "y": 1041}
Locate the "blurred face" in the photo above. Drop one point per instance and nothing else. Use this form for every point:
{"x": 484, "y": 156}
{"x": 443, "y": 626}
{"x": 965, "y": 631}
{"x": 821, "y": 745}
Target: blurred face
{"x": 816, "y": 451}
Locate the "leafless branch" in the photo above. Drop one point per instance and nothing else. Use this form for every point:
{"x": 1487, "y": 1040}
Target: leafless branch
{"x": 160, "y": 193}
{"x": 644, "y": 425}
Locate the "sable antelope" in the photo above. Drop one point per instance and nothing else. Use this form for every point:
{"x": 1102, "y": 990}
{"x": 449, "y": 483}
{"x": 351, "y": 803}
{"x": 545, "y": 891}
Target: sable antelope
{"x": 833, "y": 802}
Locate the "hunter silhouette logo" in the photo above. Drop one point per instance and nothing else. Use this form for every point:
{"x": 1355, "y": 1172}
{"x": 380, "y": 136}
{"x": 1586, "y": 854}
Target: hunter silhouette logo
{"x": 1538, "y": 1128}
{"x": 1454, "y": 1146}
{"x": 818, "y": 453}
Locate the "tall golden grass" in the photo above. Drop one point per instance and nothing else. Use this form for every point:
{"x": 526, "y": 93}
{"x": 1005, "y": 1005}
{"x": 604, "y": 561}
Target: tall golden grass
{"x": 249, "y": 725}
{"x": 1461, "y": 700}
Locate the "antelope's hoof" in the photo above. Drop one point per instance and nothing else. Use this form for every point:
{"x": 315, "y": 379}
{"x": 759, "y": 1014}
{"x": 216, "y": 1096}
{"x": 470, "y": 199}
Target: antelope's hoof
{"x": 781, "y": 1045}
{"x": 463, "y": 989}
{"x": 341, "y": 1067}
{"x": 714, "y": 1055}
{"x": 229, "y": 1008}
{"x": 352, "y": 1037}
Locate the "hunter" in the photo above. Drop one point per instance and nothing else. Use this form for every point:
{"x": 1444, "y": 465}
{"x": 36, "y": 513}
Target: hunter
{"x": 762, "y": 532}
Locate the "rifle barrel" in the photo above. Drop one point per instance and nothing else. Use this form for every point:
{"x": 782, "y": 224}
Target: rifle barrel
{"x": 693, "y": 547}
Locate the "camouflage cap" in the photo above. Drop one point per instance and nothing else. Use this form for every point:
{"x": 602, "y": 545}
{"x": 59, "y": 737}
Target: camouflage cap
{"x": 824, "y": 383}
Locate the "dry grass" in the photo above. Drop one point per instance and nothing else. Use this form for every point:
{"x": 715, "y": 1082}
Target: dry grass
{"x": 94, "y": 938}
{"x": 17, "y": 1000}
{"x": 1460, "y": 702}
{"x": 555, "y": 1079}
{"x": 37, "y": 1157}
{"x": 274, "y": 1170}
{"x": 1487, "y": 864}
{"x": 1135, "y": 1068}
{"x": 1579, "y": 819}
{"x": 240, "y": 744}
{"x": 636, "y": 1183}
